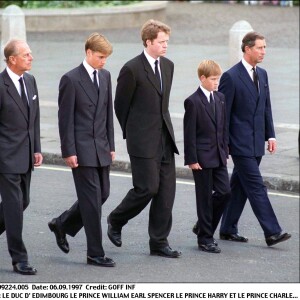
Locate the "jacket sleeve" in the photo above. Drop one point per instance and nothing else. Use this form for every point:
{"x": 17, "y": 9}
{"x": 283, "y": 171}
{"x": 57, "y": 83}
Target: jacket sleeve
{"x": 189, "y": 131}
{"x": 110, "y": 123}
{"x": 66, "y": 104}
{"x": 124, "y": 92}
{"x": 37, "y": 137}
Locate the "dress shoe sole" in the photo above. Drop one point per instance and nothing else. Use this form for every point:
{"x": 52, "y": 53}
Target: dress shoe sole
{"x": 284, "y": 238}
{"x": 100, "y": 265}
{"x": 227, "y": 238}
{"x": 154, "y": 253}
{"x": 25, "y": 273}
{"x": 204, "y": 250}
{"x": 113, "y": 240}
{"x": 53, "y": 229}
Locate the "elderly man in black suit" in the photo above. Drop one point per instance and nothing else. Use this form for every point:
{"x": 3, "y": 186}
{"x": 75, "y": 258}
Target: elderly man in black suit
{"x": 20, "y": 147}
{"x": 142, "y": 108}
{"x": 87, "y": 144}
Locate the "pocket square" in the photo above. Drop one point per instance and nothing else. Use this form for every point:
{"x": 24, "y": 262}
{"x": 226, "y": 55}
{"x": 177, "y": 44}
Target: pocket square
{"x": 34, "y": 97}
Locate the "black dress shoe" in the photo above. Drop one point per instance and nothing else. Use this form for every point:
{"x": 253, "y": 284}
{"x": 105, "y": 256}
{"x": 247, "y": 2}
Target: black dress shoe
{"x": 114, "y": 235}
{"x": 196, "y": 229}
{"x": 100, "y": 261}
{"x": 277, "y": 238}
{"x": 166, "y": 252}
{"x": 60, "y": 236}
{"x": 211, "y": 248}
{"x": 24, "y": 268}
{"x": 235, "y": 237}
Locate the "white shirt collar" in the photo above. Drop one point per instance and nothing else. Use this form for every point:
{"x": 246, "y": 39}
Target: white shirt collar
{"x": 151, "y": 60}
{"x": 15, "y": 79}
{"x": 206, "y": 92}
{"x": 89, "y": 69}
{"x": 12, "y": 75}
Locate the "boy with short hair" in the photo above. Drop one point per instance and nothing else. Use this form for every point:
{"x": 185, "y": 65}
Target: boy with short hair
{"x": 206, "y": 152}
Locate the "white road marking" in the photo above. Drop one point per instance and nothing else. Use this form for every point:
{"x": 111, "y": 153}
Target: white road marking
{"x": 179, "y": 181}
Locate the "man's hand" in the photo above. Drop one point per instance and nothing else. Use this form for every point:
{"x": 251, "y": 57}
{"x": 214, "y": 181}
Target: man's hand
{"x": 271, "y": 146}
{"x": 195, "y": 166}
{"x": 71, "y": 161}
{"x": 38, "y": 159}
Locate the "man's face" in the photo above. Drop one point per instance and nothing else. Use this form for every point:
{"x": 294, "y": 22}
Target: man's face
{"x": 22, "y": 61}
{"x": 96, "y": 59}
{"x": 256, "y": 53}
{"x": 158, "y": 47}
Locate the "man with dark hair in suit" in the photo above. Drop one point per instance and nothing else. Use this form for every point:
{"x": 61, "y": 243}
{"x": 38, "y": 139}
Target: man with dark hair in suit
{"x": 142, "y": 108}
{"x": 250, "y": 124}
{"x": 20, "y": 147}
{"x": 85, "y": 119}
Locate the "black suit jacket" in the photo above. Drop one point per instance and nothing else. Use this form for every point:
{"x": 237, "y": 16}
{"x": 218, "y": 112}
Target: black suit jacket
{"x": 141, "y": 107}
{"x": 19, "y": 133}
{"x": 205, "y": 136}
{"x": 86, "y": 118}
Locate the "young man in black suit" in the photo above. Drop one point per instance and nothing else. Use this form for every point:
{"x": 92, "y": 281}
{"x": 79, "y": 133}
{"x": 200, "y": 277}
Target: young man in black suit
{"x": 87, "y": 143}
{"x": 206, "y": 152}
{"x": 20, "y": 147}
{"x": 142, "y": 108}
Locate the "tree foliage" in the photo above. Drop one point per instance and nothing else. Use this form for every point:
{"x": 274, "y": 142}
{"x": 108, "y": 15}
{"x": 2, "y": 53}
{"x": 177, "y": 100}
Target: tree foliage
{"x": 64, "y": 4}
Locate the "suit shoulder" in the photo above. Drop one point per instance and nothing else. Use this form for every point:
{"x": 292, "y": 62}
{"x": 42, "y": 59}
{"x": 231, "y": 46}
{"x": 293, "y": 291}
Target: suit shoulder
{"x": 134, "y": 61}
{"x": 73, "y": 72}
{"x": 220, "y": 95}
{"x": 104, "y": 72}
{"x": 167, "y": 61}
{"x": 29, "y": 76}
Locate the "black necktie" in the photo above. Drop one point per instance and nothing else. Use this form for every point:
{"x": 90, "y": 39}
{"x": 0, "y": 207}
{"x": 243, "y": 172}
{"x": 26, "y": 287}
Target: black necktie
{"x": 157, "y": 73}
{"x": 23, "y": 94}
{"x": 95, "y": 81}
{"x": 212, "y": 103}
{"x": 255, "y": 78}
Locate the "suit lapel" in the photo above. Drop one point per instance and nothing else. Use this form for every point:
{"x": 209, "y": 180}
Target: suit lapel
{"x": 102, "y": 89}
{"x": 87, "y": 85}
{"x": 245, "y": 78}
{"x": 150, "y": 73}
{"x": 12, "y": 91}
{"x": 219, "y": 107}
{"x": 30, "y": 92}
{"x": 206, "y": 105}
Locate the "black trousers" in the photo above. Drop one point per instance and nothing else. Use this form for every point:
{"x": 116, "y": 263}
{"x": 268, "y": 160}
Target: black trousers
{"x": 212, "y": 194}
{"x": 153, "y": 179}
{"x": 93, "y": 187}
{"x": 14, "y": 190}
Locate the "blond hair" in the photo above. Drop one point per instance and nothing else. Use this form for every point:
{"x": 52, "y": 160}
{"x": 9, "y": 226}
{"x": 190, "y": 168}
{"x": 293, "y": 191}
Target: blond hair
{"x": 209, "y": 68}
{"x": 98, "y": 43}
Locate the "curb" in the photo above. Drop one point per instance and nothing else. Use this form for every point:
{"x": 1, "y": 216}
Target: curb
{"x": 273, "y": 182}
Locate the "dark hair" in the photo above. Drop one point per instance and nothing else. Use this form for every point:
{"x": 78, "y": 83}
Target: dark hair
{"x": 250, "y": 38}
{"x": 151, "y": 28}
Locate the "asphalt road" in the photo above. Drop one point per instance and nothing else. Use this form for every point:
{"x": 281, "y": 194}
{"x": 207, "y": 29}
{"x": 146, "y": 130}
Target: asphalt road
{"x": 53, "y": 192}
